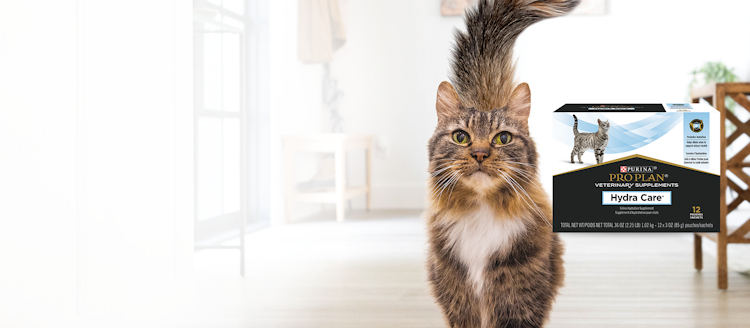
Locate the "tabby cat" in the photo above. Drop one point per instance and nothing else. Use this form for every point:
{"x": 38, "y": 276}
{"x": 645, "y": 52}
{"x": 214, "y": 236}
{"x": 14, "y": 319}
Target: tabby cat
{"x": 584, "y": 141}
{"x": 493, "y": 259}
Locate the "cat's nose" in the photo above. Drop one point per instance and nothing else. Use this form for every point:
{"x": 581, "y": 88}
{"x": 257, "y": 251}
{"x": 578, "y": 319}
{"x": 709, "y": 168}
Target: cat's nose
{"x": 479, "y": 155}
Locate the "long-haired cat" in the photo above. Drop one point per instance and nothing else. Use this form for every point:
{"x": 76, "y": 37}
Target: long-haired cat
{"x": 584, "y": 141}
{"x": 493, "y": 259}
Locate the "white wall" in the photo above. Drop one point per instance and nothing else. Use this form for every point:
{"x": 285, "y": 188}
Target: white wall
{"x": 38, "y": 166}
{"x": 397, "y": 53}
{"x": 395, "y": 57}
{"x": 96, "y": 162}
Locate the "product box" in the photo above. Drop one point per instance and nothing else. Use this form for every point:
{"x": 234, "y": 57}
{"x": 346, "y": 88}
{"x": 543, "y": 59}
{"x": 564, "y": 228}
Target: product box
{"x": 645, "y": 168}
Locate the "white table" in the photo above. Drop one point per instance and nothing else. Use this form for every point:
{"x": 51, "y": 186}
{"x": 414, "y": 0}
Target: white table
{"x": 339, "y": 144}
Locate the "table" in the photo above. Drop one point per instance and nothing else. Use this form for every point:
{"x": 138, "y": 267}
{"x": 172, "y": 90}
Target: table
{"x": 339, "y": 144}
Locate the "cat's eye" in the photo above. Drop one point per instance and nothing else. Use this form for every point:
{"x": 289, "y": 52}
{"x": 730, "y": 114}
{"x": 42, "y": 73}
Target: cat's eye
{"x": 502, "y": 138}
{"x": 461, "y": 137}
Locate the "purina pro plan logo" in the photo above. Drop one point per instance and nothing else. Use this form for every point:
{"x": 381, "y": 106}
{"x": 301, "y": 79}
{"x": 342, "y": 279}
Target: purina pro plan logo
{"x": 636, "y": 174}
{"x": 637, "y": 169}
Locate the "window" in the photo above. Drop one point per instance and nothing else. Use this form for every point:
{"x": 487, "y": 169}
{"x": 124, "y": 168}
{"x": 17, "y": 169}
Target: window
{"x": 220, "y": 98}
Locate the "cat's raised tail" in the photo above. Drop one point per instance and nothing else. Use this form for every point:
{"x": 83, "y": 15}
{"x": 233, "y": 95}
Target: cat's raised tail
{"x": 482, "y": 65}
{"x": 575, "y": 125}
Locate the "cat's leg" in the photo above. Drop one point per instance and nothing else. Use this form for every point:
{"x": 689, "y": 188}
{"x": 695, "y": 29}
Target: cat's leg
{"x": 579, "y": 157}
{"x": 572, "y": 153}
{"x": 453, "y": 293}
{"x": 522, "y": 285}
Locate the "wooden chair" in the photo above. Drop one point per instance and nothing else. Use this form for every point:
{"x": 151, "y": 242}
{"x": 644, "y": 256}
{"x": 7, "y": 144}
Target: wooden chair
{"x": 716, "y": 95}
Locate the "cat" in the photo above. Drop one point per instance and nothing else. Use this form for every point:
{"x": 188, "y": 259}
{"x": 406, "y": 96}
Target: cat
{"x": 493, "y": 260}
{"x": 584, "y": 141}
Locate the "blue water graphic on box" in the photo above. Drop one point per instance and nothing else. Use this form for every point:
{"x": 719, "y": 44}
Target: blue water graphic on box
{"x": 622, "y": 138}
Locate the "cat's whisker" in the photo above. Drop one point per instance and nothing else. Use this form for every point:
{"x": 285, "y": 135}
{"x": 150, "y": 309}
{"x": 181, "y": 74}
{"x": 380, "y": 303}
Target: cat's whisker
{"x": 536, "y": 208}
{"x": 525, "y": 176}
{"x": 528, "y": 164}
{"x": 526, "y": 180}
{"x": 513, "y": 183}
{"x": 440, "y": 187}
{"x": 525, "y": 169}
{"x": 440, "y": 182}
{"x": 436, "y": 173}
{"x": 447, "y": 184}
{"x": 519, "y": 184}
{"x": 454, "y": 186}
{"x": 444, "y": 171}
{"x": 439, "y": 166}
{"x": 449, "y": 160}
{"x": 522, "y": 163}
{"x": 433, "y": 195}
{"x": 443, "y": 177}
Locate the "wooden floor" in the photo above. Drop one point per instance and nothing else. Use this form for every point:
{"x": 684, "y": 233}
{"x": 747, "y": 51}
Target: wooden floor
{"x": 368, "y": 272}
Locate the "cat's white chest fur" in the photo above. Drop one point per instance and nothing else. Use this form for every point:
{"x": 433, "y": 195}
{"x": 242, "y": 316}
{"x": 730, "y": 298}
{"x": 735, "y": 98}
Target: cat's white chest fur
{"x": 475, "y": 237}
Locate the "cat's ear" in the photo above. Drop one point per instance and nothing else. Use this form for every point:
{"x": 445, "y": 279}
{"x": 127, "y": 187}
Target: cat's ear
{"x": 448, "y": 103}
{"x": 520, "y": 101}
{"x": 598, "y": 121}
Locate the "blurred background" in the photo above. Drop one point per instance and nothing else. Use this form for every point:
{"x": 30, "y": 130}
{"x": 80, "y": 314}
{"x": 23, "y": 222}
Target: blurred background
{"x": 257, "y": 163}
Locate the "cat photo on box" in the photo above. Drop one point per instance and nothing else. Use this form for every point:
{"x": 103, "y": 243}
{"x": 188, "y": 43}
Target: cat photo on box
{"x": 596, "y": 141}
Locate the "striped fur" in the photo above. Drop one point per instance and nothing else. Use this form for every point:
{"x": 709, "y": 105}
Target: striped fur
{"x": 482, "y": 65}
{"x": 584, "y": 141}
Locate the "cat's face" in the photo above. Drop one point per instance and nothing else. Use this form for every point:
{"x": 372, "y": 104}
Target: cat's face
{"x": 481, "y": 151}
{"x": 603, "y": 125}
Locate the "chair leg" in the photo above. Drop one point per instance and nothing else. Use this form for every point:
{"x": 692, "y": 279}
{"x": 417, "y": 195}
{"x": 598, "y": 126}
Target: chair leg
{"x": 721, "y": 262}
{"x": 697, "y": 252}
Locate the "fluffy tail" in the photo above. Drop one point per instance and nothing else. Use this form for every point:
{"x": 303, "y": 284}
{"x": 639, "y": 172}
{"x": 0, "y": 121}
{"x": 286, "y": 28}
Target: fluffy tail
{"x": 482, "y": 67}
{"x": 575, "y": 125}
